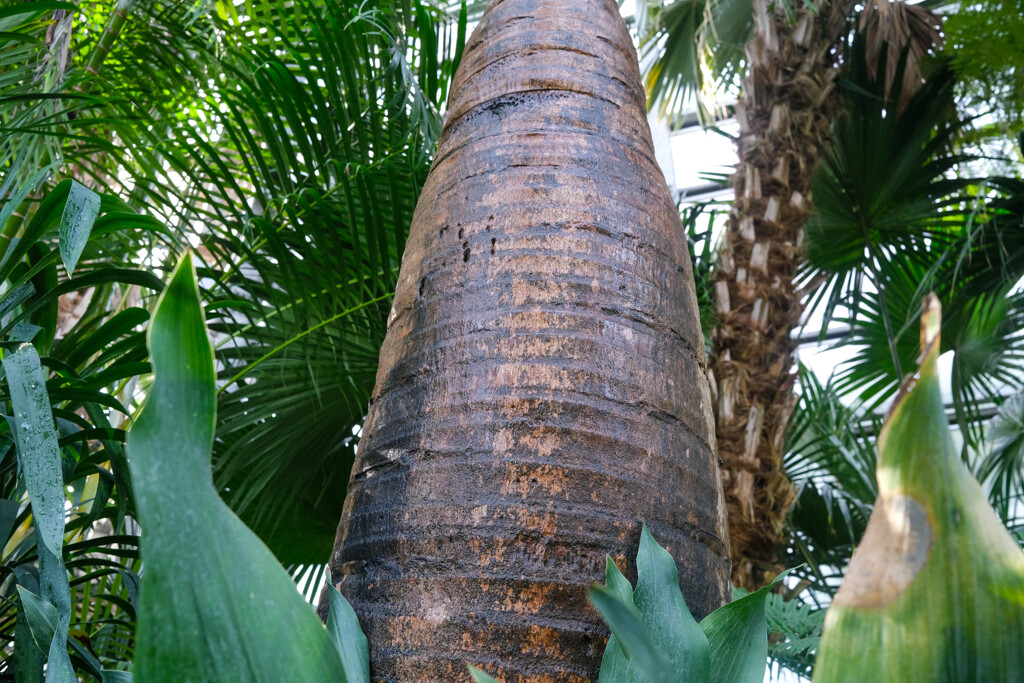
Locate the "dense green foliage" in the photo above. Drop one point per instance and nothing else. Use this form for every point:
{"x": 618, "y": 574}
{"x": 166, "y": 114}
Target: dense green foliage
{"x": 288, "y": 149}
{"x": 294, "y": 167}
{"x": 241, "y": 616}
{"x": 986, "y": 41}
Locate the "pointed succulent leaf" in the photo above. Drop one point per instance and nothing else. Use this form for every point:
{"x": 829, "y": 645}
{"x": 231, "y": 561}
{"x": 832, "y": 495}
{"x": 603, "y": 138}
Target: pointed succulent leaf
{"x": 664, "y": 611}
{"x": 636, "y": 641}
{"x": 480, "y": 676}
{"x": 241, "y": 618}
{"x": 738, "y": 638}
{"x": 654, "y": 636}
{"x": 617, "y": 583}
{"x": 935, "y": 590}
{"x": 41, "y": 617}
{"x": 615, "y": 666}
{"x": 348, "y": 636}
{"x": 80, "y": 211}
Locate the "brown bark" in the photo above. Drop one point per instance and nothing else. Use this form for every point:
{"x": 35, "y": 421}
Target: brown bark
{"x": 784, "y": 115}
{"x": 542, "y": 384}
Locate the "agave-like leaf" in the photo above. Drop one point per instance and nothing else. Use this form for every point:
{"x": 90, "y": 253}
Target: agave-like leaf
{"x": 935, "y": 591}
{"x": 354, "y": 649}
{"x": 240, "y": 618}
{"x": 480, "y": 676}
{"x": 39, "y": 456}
{"x": 654, "y": 635}
{"x": 738, "y": 637}
{"x": 614, "y": 664}
{"x": 655, "y": 638}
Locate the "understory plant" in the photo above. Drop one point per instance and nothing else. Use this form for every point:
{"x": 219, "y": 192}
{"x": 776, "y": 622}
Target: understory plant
{"x": 655, "y": 638}
{"x": 72, "y": 350}
{"x": 935, "y": 591}
{"x": 241, "y": 617}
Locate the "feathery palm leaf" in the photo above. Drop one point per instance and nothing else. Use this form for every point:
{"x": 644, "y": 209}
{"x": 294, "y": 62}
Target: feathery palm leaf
{"x": 90, "y": 358}
{"x": 302, "y": 198}
{"x": 830, "y": 457}
{"x": 693, "y": 49}
{"x": 1002, "y": 468}
{"x": 292, "y": 145}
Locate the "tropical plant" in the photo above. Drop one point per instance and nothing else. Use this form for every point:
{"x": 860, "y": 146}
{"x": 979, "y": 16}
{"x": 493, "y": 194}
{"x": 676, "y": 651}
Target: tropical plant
{"x": 297, "y": 168}
{"x": 221, "y": 623}
{"x": 541, "y": 381}
{"x": 292, "y": 147}
{"x": 655, "y": 638}
{"x": 787, "y": 104}
{"x": 984, "y": 43}
{"x": 132, "y": 126}
{"x": 218, "y": 625}
{"x": 70, "y": 559}
{"x": 936, "y": 589}
{"x": 876, "y": 244}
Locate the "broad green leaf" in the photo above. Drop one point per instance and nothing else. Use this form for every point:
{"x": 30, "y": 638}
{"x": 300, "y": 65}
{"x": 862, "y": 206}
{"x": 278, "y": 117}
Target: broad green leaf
{"x": 39, "y": 456}
{"x": 80, "y": 211}
{"x": 47, "y": 214}
{"x": 663, "y": 610}
{"x": 617, "y": 583}
{"x": 634, "y": 638}
{"x": 41, "y": 616}
{"x": 8, "y": 517}
{"x": 738, "y": 638}
{"x": 38, "y": 6}
{"x": 240, "y": 617}
{"x": 28, "y": 658}
{"x": 112, "y": 676}
{"x": 654, "y": 636}
{"x": 615, "y": 666}
{"x": 935, "y": 591}
{"x": 43, "y": 622}
{"x": 480, "y": 676}
{"x": 353, "y": 648}
{"x": 24, "y": 332}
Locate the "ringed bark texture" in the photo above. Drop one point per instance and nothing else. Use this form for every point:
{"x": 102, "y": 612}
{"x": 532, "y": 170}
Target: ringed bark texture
{"x": 542, "y": 386}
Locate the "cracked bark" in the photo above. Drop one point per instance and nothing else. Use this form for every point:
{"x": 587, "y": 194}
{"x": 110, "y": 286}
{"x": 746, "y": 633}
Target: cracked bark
{"x": 542, "y": 386}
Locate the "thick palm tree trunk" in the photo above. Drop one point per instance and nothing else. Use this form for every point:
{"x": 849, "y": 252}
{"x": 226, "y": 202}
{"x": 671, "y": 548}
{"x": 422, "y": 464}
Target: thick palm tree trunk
{"x": 542, "y": 387}
{"x": 784, "y": 115}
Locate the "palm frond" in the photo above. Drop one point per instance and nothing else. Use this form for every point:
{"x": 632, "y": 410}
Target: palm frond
{"x": 693, "y": 49}
{"x": 301, "y": 189}
{"x": 1002, "y": 467}
{"x": 865, "y": 217}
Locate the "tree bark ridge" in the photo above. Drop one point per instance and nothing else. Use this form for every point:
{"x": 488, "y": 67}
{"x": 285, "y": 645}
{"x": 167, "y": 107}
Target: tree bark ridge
{"x": 542, "y": 387}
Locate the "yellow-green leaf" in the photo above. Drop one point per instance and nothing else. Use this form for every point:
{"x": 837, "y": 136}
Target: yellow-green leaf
{"x": 934, "y": 591}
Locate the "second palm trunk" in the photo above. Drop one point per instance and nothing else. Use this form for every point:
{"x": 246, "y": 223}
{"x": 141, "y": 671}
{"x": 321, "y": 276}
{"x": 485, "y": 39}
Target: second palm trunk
{"x": 542, "y": 386}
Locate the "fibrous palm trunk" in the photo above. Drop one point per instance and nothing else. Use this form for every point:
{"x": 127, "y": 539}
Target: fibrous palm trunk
{"x": 542, "y": 387}
{"x": 784, "y": 115}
